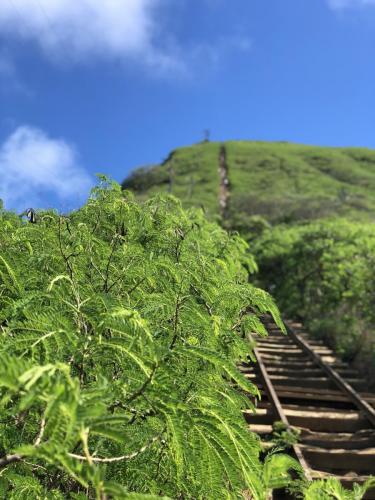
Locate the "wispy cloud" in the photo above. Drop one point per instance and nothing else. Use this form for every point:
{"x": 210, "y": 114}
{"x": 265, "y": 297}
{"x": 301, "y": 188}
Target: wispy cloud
{"x": 71, "y": 31}
{"x": 35, "y": 167}
{"x": 342, "y": 4}
{"x": 210, "y": 55}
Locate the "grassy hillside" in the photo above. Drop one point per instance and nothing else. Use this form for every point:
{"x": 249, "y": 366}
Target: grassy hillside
{"x": 190, "y": 173}
{"x": 281, "y": 182}
{"x": 308, "y": 213}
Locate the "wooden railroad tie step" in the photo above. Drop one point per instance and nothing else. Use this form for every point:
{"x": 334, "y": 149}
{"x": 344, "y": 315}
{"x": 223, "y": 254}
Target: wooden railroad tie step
{"x": 364, "y": 438}
{"x": 340, "y": 459}
{"x": 263, "y": 416}
{"x": 321, "y": 382}
{"x": 261, "y": 429}
{"x": 325, "y": 421}
{"x": 317, "y": 394}
{"x": 293, "y": 350}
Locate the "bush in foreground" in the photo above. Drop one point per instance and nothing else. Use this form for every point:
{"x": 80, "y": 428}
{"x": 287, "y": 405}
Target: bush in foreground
{"x": 121, "y": 325}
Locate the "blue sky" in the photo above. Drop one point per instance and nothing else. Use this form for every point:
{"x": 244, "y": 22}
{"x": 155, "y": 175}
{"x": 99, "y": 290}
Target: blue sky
{"x": 94, "y": 86}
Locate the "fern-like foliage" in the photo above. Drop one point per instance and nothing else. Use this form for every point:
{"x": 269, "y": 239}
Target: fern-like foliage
{"x": 332, "y": 489}
{"x": 120, "y": 327}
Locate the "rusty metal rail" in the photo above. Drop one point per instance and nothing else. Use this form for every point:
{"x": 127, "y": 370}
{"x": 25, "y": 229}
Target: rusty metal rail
{"x": 271, "y": 393}
{"x": 353, "y": 395}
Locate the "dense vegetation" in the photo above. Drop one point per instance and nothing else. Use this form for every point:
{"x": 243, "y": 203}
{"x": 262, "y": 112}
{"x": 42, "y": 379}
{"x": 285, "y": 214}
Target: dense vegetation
{"x": 121, "y": 325}
{"x": 308, "y": 213}
{"x": 323, "y": 272}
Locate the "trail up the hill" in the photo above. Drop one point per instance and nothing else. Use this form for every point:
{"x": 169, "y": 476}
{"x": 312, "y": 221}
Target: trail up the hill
{"x": 224, "y": 183}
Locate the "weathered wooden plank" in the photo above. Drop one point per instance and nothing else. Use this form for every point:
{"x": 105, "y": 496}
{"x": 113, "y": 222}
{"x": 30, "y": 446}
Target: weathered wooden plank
{"x": 261, "y": 429}
{"x": 261, "y": 417}
{"x": 339, "y": 459}
{"x": 285, "y": 353}
{"x": 328, "y": 440}
{"x": 285, "y": 393}
{"x": 326, "y": 422}
{"x": 317, "y": 383}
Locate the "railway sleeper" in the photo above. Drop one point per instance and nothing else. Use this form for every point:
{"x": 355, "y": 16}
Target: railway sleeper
{"x": 278, "y": 359}
{"x": 361, "y": 461}
{"x": 302, "y": 393}
{"x": 327, "y": 421}
{"x": 315, "y": 382}
{"x": 362, "y": 439}
{"x": 293, "y": 373}
{"x": 292, "y": 365}
{"x": 263, "y": 416}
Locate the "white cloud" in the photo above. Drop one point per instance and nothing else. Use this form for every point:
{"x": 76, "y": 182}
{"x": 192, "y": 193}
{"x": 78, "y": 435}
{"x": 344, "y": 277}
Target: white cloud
{"x": 34, "y": 167}
{"x": 342, "y": 4}
{"x": 80, "y": 29}
{"x": 71, "y": 31}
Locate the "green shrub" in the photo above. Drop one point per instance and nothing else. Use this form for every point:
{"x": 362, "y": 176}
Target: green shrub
{"x": 323, "y": 273}
{"x": 121, "y": 325}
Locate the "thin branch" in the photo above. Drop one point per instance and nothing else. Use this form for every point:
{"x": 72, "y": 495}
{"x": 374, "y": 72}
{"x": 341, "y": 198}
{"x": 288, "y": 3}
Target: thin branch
{"x": 119, "y": 459}
{"x": 39, "y": 437}
{"x": 121, "y": 274}
{"x": 205, "y": 303}
{"x": 67, "y": 226}
{"x": 136, "y": 413}
{"x": 244, "y": 310}
{"x": 66, "y": 259}
{"x": 175, "y": 322}
{"x": 73, "y": 254}
{"x": 97, "y": 269}
{"x": 97, "y": 221}
{"x": 9, "y": 459}
{"x": 180, "y": 234}
{"x": 143, "y": 387}
{"x": 136, "y": 286}
{"x": 114, "y": 283}
{"x": 113, "y": 245}
{"x": 34, "y": 466}
{"x": 16, "y": 457}
{"x": 84, "y": 437}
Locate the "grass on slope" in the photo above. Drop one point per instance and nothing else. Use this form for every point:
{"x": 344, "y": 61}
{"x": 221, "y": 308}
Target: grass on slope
{"x": 287, "y": 182}
{"x": 281, "y": 182}
{"x": 189, "y": 173}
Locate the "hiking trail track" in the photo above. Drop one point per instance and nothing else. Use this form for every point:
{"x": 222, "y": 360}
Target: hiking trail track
{"x": 304, "y": 385}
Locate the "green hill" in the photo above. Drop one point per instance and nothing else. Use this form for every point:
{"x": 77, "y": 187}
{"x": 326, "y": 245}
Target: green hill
{"x": 308, "y": 215}
{"x": 281, "y": 182}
